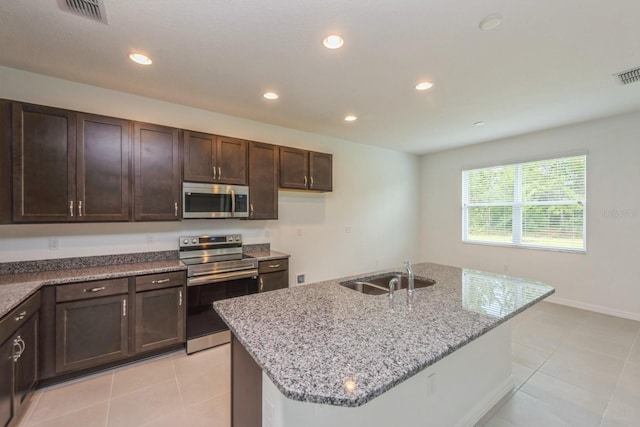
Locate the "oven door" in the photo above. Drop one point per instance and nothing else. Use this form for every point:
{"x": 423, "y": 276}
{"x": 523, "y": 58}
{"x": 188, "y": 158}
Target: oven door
{"x": 205, "y": 328}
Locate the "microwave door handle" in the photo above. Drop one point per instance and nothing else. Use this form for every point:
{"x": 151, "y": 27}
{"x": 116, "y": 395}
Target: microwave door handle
{"x": 233, "y": 202}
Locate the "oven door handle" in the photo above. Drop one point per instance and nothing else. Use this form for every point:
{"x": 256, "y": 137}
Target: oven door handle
{"x": 233, "y": 203}
{"x": 215, "y": 278}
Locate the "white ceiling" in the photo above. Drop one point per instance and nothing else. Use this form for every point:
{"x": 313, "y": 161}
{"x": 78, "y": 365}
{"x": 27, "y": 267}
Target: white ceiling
{"x": 550, "y": 62}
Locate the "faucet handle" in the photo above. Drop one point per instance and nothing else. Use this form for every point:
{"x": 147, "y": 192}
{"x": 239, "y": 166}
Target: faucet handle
{"x": 393, "y": 283}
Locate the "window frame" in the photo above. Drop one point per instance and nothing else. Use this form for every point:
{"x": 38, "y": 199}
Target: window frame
{"x": 517, "y": 206}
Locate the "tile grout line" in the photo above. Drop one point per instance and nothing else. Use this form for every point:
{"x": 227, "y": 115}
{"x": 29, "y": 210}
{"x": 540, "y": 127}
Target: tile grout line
{"x": 626, "y": 362}
{"x": 113, "y": 376}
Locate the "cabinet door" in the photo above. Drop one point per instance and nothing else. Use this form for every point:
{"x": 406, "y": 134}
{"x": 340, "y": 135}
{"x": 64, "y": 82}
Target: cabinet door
{"x": 159, "y": 319}
{"x": 44, "y": 151}
{"x": 6, "y": 384}
{"x": 199, "y": 157}
{"x": 26, "y": 368}
{"x": 273, "y": 281}
{"x": 5, "y": 162}
{"x": 320, "y": 171}
{"x": 263, "y": 181}
{"x": 157, "y": 173}
{"x": 102, "y": 168}
{"x": 91, "y": 332}
{"x": 294, "y": 168}
{"x": 232, "y": 161}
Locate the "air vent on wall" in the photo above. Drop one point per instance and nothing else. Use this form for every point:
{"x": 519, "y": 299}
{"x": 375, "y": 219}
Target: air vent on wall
{"x": 92, "y": 9}
{"x": 629, "y": 76}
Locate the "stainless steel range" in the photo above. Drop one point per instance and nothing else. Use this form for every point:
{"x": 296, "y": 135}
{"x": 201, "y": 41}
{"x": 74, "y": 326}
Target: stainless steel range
{"x": 216, "y": 270}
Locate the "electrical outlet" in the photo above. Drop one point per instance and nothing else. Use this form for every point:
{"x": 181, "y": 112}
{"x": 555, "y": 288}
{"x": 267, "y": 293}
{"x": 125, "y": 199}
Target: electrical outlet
{"x": 54, "y": 243}
{"x": 431, "y": 384}
{"x": 300, "y": 278}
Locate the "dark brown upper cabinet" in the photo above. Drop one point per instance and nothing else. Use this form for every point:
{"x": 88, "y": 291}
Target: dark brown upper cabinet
{"x": 214, "y": 159}
{"x": 102, "y": 162}
{"x": 157, "y": 173}
{"x": 263, "y": 181}
{"x": 68, "y": 166}
{"x": 305, "y": 170}
{"x": 5, "y": 162}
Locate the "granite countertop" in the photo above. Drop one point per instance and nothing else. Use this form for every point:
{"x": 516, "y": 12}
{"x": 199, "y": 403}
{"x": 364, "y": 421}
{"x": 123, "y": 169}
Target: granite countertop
{"x": 17, "y": 287}
{"x": 311, "y": 340}
{"x": 267, "y": 255}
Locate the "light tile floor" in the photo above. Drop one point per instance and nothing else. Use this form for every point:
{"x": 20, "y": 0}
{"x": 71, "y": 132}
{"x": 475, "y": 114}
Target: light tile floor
{"x": 571, "y": 368}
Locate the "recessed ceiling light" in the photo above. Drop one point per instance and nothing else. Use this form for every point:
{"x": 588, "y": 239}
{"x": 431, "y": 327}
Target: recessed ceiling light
{"x": 139, "y": 58}
{"x": 478, "y": 124}
{"x": 490, "y": 22}
{"x": 333, "y": 41}
{"x": 424, "y": 85}
{"x": 271, "y": 95}
{"x": 350, "y": 118}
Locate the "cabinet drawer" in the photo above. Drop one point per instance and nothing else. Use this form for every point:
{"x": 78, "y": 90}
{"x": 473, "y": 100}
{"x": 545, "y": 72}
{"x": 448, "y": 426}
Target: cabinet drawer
{"x": 18, "y": 316}
{"x": 159, "y": 281}
{"x": 273, "y": 265}
{"x": 86, "y": 290}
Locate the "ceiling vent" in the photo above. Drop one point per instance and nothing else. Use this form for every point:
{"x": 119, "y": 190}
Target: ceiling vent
{"x": 629, "y": 76}
{"x": 92, "y": 9}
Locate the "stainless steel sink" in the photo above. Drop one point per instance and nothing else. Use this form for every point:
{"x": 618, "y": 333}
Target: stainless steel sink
{"x": 379, "y": 285}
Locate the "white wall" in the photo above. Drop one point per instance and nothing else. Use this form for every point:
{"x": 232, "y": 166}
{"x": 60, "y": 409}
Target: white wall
{"x": 607, "y": 277}
{"x": 374, "y": 193}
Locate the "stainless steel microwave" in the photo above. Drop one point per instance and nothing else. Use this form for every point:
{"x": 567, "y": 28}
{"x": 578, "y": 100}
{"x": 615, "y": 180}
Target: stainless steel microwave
{"x": 214, "y": 200}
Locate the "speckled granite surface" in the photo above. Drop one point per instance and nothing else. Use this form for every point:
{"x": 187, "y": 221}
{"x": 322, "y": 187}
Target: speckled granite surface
{"x": 316, "y": 341}
{"x": 263, "y": 252}
{"x": 15, "y": 288}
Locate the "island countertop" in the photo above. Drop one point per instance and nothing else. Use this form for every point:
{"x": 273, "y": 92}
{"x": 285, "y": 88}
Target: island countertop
{"x": 324, "y": 343}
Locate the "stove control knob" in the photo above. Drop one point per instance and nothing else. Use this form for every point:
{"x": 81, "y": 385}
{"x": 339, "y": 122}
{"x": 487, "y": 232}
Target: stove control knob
{"x": 185, "y": 241}
{"x": 194, "y": 241}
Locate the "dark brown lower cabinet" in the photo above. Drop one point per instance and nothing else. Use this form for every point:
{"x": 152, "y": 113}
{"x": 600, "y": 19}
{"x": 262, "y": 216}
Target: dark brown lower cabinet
{"x": 91, "y": 332}
{"x": 159, "y": 319}
{"x": 18, "y": 359}
{"x": 273, "y": 274}
{"x": 246, "y": 387}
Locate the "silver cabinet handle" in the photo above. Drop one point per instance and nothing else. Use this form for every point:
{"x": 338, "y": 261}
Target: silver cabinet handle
{"x": 219, "y": 172}
{"x": 101, "y": 288}
{"x": 160, "y": 281}
{"x": 16, "y": 350}
{"x": 175, "y": 208}
{"x": 124, "y": 307}
{"x": 311, "y": 186}
{"x": 305, "y": 180}
{"x": 80, "y": 208}
{"x": 274, "y": 265}
{"x": 251, "y": 208}
{"x": 179, "y": 298}
{"x": 261, "y": 284}
{"x": 21, "y": 316}
{"x": 71, "y": 207}
{"x": 214, "y": 172}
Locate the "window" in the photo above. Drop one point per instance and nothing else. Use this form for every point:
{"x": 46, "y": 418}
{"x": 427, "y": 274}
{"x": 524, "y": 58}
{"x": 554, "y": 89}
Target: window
{"x": 537, "y": 204}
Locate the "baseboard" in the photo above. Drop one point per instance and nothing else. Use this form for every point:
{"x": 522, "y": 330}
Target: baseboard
{"x": 484, "y": 406}
{"x": 594, "y": 308}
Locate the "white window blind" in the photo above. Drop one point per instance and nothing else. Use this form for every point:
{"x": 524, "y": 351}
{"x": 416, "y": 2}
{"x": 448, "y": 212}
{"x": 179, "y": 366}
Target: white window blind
{"x": 537, "y": 204}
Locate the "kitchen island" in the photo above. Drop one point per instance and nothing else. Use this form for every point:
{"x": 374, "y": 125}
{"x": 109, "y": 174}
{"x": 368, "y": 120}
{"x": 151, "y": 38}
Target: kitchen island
{"x": 322, "y": 354}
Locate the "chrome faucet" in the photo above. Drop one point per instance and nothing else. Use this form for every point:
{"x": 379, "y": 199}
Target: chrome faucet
{"x": 393, "y": 284}
{"x": 411, "y": 286}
